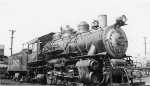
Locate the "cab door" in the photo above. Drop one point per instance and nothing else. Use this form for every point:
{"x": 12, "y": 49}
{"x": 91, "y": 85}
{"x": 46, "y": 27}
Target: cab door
{"x": 33, "y": 54}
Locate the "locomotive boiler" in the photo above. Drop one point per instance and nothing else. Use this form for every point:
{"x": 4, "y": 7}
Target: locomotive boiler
{"x": 91, "y": 57}
{"x": 111, "y": 39}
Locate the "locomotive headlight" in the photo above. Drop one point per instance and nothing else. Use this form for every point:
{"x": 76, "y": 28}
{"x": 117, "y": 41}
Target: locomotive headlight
{"x": 124, "y": 18}
{"x": 94, "y": 65}
{"x": 121, "y": 20}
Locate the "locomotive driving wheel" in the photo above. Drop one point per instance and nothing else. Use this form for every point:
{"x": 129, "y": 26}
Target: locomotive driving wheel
{"x": 49, "y": 78}
{"x": 71, "y": 84}
{"x": 58, "y": 81}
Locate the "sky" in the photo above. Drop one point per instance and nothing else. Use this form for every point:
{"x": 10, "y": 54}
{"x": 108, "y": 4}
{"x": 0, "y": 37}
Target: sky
{"x": 34, "y": 18}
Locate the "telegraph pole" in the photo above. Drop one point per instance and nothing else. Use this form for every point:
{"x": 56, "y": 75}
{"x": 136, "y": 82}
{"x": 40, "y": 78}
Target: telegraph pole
{"x": 145, "y": 43}
{"x": 12, "y": 36}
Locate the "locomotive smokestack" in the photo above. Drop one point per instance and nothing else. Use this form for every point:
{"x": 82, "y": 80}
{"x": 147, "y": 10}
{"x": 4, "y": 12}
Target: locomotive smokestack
{"x": 102, "y": 19}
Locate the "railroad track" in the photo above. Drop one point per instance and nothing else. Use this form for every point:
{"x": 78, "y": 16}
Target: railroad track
{"x": 10, "y": 82}
{"x": 5, "y": 82}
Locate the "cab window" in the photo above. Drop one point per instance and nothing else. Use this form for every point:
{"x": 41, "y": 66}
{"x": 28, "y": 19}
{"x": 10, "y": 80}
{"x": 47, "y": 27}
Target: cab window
{"x": 34, "y": 47}
{"x": 30, "y": 46}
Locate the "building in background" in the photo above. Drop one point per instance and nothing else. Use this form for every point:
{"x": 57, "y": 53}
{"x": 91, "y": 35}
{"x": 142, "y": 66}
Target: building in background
{"x": 141, "y": 59}
{"x": 2, "y": 47}
{"x": 3, "y": 58}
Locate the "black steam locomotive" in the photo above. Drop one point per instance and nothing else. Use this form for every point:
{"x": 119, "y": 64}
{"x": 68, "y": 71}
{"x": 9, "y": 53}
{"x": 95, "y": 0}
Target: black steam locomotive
{"x": 89, "y": 57}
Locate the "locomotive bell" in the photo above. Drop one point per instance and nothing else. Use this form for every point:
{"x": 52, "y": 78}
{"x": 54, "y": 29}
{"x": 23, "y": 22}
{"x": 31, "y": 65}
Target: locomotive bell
{"x": 94, "y": 25}
{"x": 83, "y": 27}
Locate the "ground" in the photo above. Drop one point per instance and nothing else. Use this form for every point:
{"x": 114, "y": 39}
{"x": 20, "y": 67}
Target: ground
{"x": 145, "y": 81}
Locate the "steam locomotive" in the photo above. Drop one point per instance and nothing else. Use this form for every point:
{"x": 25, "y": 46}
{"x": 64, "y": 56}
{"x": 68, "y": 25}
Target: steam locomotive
{"x": 89, "y": 57}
